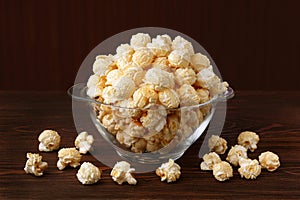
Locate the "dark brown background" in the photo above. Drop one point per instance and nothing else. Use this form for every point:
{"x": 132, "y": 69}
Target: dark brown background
{"x": 255, "y": 44}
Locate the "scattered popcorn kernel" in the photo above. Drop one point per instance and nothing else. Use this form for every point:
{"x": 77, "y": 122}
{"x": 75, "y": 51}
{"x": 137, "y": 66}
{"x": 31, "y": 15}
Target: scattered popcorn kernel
{"x": 122, "y": 173}
{"x": 143, "y": 57}
{"x": 250, "y": 169}
{"x": 217, "y": 144}
{"x": 68, "y": 156}
{"x": 169, "y": 171}
{"x": 103, "y": 65}
{"x": 269, "y": 160}
{"x": 179, "y": 58}
{"x": 222, "y": 171}
{"x": 179, "y": 43}
{"x": 188, "y": 95}
{"x": 160, "y": 46}
{"x": 49, "y": 140}
{"x": 185, "y": 76}
{"x": 88, "y": 173}
{"x": 84, "y": 142}
{"x": 235, "y": 153}
{"x": 35, "y": 165}
{"x": 199, "y": 62}
{"x": 169, "y": 98}
{"x": 144, "y": 96}
{"x": 140, "y": 40}
{"x": 159, "y": 78}
{"x": 209, "y": 160}
{"x": 249, "y": 140}
{"x": 155, "y": 118}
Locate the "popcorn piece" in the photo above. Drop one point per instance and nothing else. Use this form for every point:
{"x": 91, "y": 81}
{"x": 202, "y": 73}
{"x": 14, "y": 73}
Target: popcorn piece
{"x": 113, "y": 76}
{"x": 35, "y": 165}
{"x": 179, "y": 43}
{"x": 160, "y": 45}
{"x": 249, "y": 140}
{"x": 269, "y": 160}
{"x": 222, "y": 171}
{"x": 144, "y": 96}
{"x": 169, "y": 171}
{"x": 103, "y": 65}
{"x": 140, "y": 40}
{"x": 235, "y": 153}
{"x": 109, "y": 123}
{"x": 185, "y": 76}
{"x": 161, "y": 63}
{"x": 179, "y": 58}
{"x": 49, "y": 140}
{"x": 139, "y": 146}
{"x": 68, "y": 156}
{"x": 217, "y": 144}
{"x": 159, "y": 78}
{"x": 203, "y": 94}
{"x": 153, "y": 141}
{"x": 143, "y": 57}
{"x": 169, "y": 98}
{"x": 134, "y": 72}
{"x": 126, "y": 139}
{"x": 199, "y": 62}
{"x": 122, "y": 173}
{"x": 84, "y": 142}
{"x": 95, "y": 85}
{"x": 191, "y": 117}
{"x": 209, "y": 160}
{"x": 155, "y": 118}
{"x": 250, "y": 169}
{"x": 88, "y": 173}
{"x": 188, "y": 95}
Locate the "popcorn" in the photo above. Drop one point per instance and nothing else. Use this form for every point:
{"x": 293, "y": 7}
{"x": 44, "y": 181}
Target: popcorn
{"x": 68, "y": 156}
{"x": 235, "y": 153}
{"x": 169, "y": 171}
{"x": 109, "y": 123}
{"x": 169, "y": 98}
{"x": 134, "y": 72}
{"x": 143, "y": 57}
{"x": 103, "y": 65}
{"x": 49, "y": 140}
{"x": 209, "y": 160}
{"x": 140, "y": 40}
{"x": 144, "y": 96}
{"x": 124, "y": 55}
{"x": 249, "y": 169}
{"x": 203, "y": 95}
{"x": 160, "y": 46}
{"x": 84, "y": 142}
{"x": 113, "y": 76}
{"x": 217, "y": 144}
{"x": 222, "y": 171}
{"x": 179, "y": 43}
{"x": 185, "y": 76}
{"x": 188, "y": 95}
{"x": 179, "y": 59}
{"x": 122, "y": 173}
{"x": 155, "y": 118}
{"x": 199, "y": 62}
{"x": 269, "y": 160}
{"x": 35, "y": 165}
{"x": 159, "y": 78}
{"x": 88, "y": 173}
{"x": 249, "y": 140}
{"x": 126, "y": 139}
{"x": 95, "y": 85}
{"x": 139, "y": 146}
{"x": 161, "y": 63}
{"x": 153, "y": 142}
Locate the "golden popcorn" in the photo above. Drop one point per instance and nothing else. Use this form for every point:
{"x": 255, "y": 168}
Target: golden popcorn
{"x": 134, "y": 72}
{"x": 179, "y": 59}
{"x": 249, "y": 140}
{"x": 121, "y": 173}
{"x": 160, "y": 45}
{"x": 95, "y": 85}
{"x": 269, "y": 160}
{"x": 140, "y": 40}
{"x": 103, "y": 65}
{"x": 169, "y": 171}
{"x": 68, "y": 156}
{"x": 169, "y": 98}
{"x": 35, "y": 165}
{"x": 203, "y": 95}
{"x": 49, "y": 140}
{"x": 185, "y": 76}
{"x": 209, "y": 160}
{"x": 199, "y": 62}
{"x": 249, "y": 169}
{"x": 84, "y": 142}
{"x": 113, "y": 76}
{"x": 217, "y": 144}
{"x": 88, "y": 173}
{"x": 143, "y": 57}
{"x": 161, "y": 63}
{"x": 179, "y": 43}
{"x": 144, "y": 96}
{"x": 222, "y": 171}
{"x": 188, "y": 95}
{"x": 124, "y": 55}
{"x": 235, "y": 153}
{"x": 155, "y": 118}
{"x": 159, "y": 78}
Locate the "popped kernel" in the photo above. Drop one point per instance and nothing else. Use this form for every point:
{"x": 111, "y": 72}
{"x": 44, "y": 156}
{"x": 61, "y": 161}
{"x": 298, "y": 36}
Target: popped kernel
{"x": 169, "y": 98}
{"x": 88, "y": 173}
{"x": 188, "y": 95}
{"x": 153, "y": 142}
{"x": 49, "y": 140}
{"x": 199, "y": 62}
{"x": 235, "y": 153}
{"x": 113, "y": 76}
{"x": 269, "y": 160}
{"x": 144, "y": 96}
{"x": 209, "y": 160}
{"x": 161, "y": 63}
{"x": 248, "y": 139}
{"x": 185, "y": 76}
{"x": 139, "y": 146}
{"x": 179, "y": 43}
{"x": 124, "y": 55}
{"x": 35, "y": 165}
{"x": 154, "y": 118}
{"x": 68, "y": 156}
{"x": 109, "y": 123}
{"x": 169, "y": 171}
{"x": 179, "y": 59}
{"x": 160, "y": 45}
{"x": 103, "y": 64}
{"x": 217, "y": 144}
{"x": 222, "y": 171}
{"x": 140, "y": 40}
{"x": 159, "y": 78}
{"x": 84, "y": 142}
{"x": 134, "y": 72}
{"x": 203, "y": 95}
{"x": 95, "y": 85}
{"x": 121, "y": 173}
{"x": 249, "y": 169}
{"x": 143, "y": 57}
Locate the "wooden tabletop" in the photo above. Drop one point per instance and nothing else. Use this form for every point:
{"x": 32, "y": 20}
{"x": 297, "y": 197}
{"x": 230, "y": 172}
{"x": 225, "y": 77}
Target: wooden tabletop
{"x": 275, "y": 116}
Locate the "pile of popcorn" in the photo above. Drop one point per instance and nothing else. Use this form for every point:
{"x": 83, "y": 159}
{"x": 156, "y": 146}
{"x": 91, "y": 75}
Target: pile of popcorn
{"x": 147, "y": 80}
{"x": 237, "y": 156}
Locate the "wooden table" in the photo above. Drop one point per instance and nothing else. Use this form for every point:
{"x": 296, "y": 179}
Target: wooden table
{"x": 275, "y": 116}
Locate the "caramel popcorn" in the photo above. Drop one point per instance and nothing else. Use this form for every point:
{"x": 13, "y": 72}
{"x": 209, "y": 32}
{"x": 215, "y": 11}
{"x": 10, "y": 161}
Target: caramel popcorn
{"x": 49, "y": 140}
{"x": 68, "y": 156}
{"x": 217, "y": 144}
{"x": 161, "y": 63}
{"x": 169, "y": 98}
{"x": 144, "y": 96}
{"x": 185, "y": 76}
{"x": 179, "y": 58}
{"x": 155, "y": 118}
{"x": 113, "y": 76}
{"x": 203, "y": 95}
{"x": 109, "y": 123}
{"x": 134, "y": 72}
{"x": 209, "y": 160}
{"x": 188, "y": 95}
{"x": 122, "y": 173}
{"x": 179, "y": 43}
{"x": 35, "y": 165}
{"x": 124, "y": 55}
{"x": 250, "y": 169}
{"x": 169, "y": 171}
{"x": 84, "y": 142}
{"x": 235, "y": 153}
{"x": 249, "y": 140}
{"x": 103, "y": 65}
{"x": 159, "y": 78}
{"x": 140, "y": 40}
{"x": 143, "y": 57}
{"x": 160, "y": 46}
{"x": 222, "y": 171}
{"x": 88, "y": 173}
{"x": 199, "y": 62}
{"x": 95, "y": 85}
{"x": 269, "y": 160}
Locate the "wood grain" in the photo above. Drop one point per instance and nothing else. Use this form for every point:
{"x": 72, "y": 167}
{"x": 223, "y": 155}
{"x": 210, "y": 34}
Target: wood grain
{"x": 274, "y": 115}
